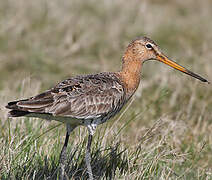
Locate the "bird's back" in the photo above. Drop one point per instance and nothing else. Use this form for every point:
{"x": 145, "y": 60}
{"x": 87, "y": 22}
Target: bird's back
{"x": 87, "y": 98}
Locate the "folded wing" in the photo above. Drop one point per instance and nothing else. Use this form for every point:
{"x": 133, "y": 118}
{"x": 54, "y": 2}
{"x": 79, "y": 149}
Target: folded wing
{"x": 82, "y": 97}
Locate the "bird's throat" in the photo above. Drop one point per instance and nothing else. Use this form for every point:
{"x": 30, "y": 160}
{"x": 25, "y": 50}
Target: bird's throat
{"x": 131, "y": 74}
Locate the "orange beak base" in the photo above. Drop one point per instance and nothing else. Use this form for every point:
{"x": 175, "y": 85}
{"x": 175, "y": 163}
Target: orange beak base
{"x": 166, "y": 60}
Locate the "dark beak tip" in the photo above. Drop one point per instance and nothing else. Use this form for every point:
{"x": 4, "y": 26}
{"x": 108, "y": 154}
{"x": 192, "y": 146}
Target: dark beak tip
{"x": 206, "y": 81}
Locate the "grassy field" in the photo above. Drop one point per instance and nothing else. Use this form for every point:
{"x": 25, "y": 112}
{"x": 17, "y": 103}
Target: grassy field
{"x": 164, "y": 132}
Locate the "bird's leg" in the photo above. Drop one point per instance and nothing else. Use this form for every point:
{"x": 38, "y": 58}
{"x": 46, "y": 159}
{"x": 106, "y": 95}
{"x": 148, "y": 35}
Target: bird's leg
{"x": 88, "y": 157}
{"x": 91, "y": 130}
{"x": 63, "y": 157}
{"x": 63, "y": 154}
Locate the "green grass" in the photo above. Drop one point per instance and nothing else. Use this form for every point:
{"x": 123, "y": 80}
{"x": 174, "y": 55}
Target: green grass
{"x": 163, "y": 133}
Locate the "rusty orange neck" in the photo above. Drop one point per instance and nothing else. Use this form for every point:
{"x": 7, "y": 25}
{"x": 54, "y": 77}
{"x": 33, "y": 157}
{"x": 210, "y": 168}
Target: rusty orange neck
{"x": 130, "y": 73}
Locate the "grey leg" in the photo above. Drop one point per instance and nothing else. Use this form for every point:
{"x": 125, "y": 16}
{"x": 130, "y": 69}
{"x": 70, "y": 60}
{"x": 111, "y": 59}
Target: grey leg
{"x": 63, "y": 154}
{"x": 63, "y": 157}
{"x": 88, "y": 157}
{"x": 91, "y": 130}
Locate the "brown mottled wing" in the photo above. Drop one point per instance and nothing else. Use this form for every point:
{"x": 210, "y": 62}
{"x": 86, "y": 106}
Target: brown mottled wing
{"x": 82, "y": 97}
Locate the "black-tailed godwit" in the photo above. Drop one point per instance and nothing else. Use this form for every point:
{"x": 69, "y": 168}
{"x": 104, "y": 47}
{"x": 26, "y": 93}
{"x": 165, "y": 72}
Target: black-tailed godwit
{"x": 90, "y": 100}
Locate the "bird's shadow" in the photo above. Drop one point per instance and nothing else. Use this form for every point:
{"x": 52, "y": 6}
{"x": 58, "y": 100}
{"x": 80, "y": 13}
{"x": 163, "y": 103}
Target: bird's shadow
{"x": 105, "y": 163}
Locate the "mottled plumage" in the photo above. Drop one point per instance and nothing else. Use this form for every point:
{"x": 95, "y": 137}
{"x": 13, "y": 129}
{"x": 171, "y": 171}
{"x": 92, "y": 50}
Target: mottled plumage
{"x": 90, "y": 100}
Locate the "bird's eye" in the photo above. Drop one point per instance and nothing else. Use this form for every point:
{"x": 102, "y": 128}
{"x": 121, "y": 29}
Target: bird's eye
{"x": 148, "y": 46}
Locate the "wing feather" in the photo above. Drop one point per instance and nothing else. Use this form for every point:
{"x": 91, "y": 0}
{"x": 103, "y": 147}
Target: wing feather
{"x": 82, "y": 97}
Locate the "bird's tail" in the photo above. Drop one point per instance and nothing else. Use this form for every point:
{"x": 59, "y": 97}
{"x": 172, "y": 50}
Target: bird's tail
{"x": 17, "y": 113}
{"x": 15, "y": 110}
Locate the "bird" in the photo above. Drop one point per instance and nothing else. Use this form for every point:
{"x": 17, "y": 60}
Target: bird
{"x": 90, "y": 100}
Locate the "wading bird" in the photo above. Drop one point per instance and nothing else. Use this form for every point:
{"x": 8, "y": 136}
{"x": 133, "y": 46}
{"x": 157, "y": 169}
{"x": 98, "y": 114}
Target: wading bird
{"x": 90, "y": 100}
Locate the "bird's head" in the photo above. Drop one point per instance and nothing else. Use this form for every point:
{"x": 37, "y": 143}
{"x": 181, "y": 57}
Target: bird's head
{"x": 143, "y": 49}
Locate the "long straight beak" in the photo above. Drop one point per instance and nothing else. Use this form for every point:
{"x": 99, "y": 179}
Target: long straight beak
{"x": 166, "y": 60}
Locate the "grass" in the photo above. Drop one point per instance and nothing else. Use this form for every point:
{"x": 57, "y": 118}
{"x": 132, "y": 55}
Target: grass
{"x": 163, "y": 133}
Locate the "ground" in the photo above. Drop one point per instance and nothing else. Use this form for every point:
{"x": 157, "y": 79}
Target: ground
{"x": 164, "y": 132}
